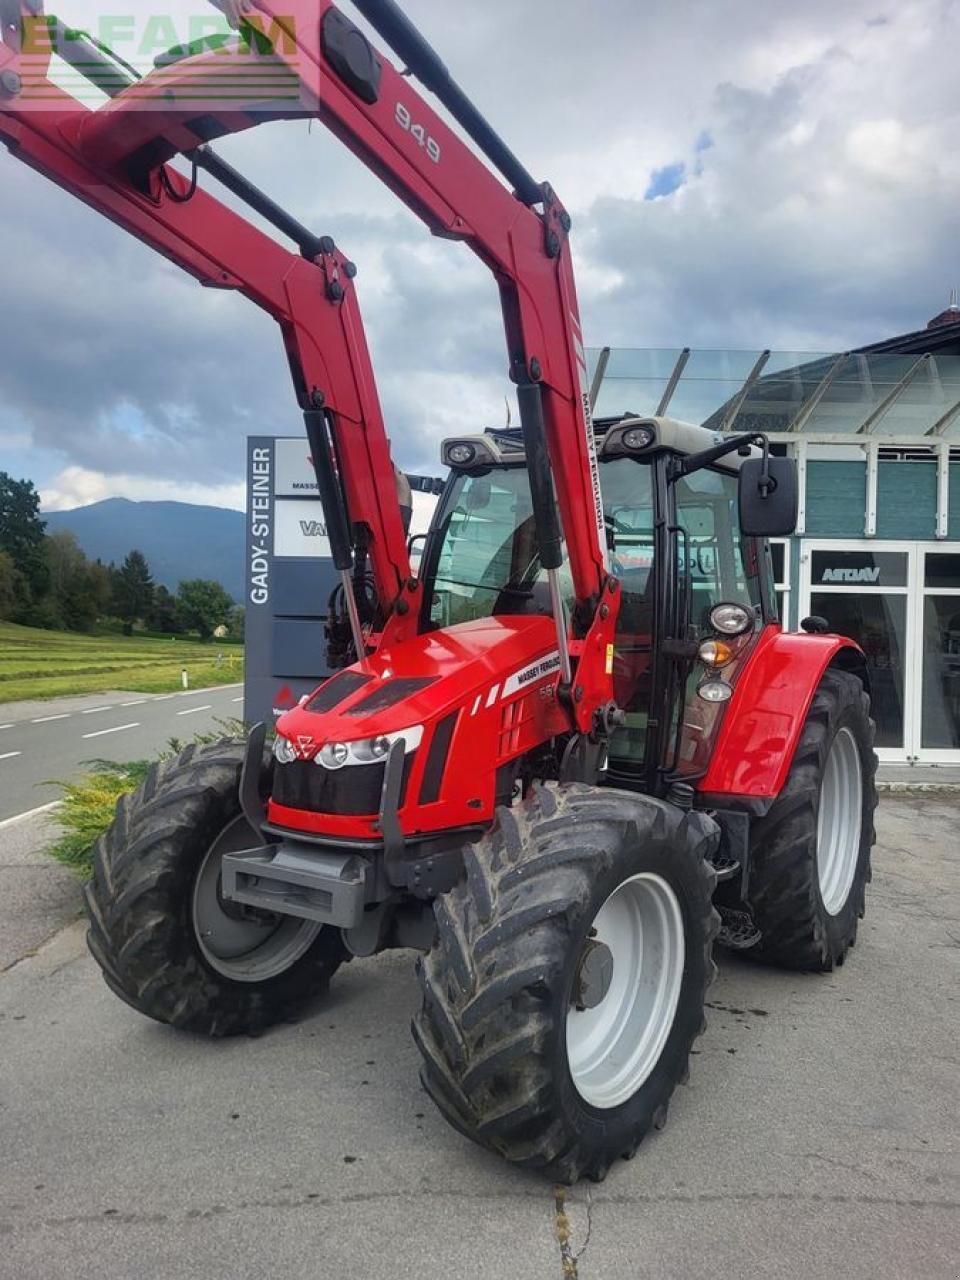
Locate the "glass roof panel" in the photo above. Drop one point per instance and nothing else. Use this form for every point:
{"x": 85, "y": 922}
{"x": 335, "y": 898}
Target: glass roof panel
{"x": 818, "y": 393}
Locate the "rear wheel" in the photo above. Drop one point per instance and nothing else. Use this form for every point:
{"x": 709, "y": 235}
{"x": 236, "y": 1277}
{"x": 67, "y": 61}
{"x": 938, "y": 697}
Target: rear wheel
{"x": 167, "y": 941}
{"x": 568, "y": 979}
{"x": 810, "y": 855}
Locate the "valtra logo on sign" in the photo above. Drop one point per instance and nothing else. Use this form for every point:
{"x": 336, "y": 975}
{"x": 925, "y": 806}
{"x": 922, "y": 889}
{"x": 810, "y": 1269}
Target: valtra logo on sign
{"x": 850, "y": 575}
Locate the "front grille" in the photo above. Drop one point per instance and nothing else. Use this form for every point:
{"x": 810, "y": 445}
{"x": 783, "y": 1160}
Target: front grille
{"x": 354, "y": 789}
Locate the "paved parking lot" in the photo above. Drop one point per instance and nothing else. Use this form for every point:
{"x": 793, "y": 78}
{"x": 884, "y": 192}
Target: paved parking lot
{"x": 819, "y": 1135}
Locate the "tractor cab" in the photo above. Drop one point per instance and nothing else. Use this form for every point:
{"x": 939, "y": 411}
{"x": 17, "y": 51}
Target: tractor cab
{"x": 696, "y": 591}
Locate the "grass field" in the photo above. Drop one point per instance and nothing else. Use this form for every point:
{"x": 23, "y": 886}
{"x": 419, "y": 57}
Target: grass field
{"x": 49, "y": 664}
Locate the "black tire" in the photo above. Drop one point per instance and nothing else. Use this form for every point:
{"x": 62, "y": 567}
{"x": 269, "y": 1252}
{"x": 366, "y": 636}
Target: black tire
{"x": 498, "y": 982}
{"x": 139, "y": 904}
{"x": 797, "y": 931}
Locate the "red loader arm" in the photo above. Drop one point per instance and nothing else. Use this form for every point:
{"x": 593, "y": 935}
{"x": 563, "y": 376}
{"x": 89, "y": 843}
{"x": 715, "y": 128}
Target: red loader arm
{"x": 305, "y": 59}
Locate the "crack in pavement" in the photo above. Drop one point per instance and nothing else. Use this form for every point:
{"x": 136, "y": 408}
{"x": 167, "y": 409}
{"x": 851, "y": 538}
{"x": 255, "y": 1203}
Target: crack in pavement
{"x": 317, "y": 1200}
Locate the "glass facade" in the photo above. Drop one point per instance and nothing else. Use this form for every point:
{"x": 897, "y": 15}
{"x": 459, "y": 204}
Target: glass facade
{"x": 817, "y": 393}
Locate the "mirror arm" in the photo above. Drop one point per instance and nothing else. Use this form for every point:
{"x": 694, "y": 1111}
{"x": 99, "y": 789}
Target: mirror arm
{"x": 696, "y": 461}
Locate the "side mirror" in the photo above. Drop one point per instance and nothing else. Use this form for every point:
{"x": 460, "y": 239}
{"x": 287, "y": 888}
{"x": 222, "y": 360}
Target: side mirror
{"x": 769, "y": 497}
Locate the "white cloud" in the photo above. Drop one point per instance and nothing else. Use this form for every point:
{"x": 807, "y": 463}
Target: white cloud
{"x": 78, "y": 487}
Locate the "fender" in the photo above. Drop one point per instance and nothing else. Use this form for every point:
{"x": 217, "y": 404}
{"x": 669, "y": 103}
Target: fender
{"x": 760, "y": 731}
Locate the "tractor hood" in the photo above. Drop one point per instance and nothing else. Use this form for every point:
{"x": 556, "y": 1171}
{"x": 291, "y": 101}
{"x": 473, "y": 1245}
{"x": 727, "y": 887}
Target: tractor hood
{"x": 465, "y": 700}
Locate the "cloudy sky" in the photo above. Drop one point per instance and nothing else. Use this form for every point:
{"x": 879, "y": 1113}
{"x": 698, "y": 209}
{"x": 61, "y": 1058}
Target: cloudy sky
{"x": 742, "y": 173}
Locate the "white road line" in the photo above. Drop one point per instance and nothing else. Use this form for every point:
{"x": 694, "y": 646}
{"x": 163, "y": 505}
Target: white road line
{"x": 190, "y": 710}
{"x": 118, "y": 729}
{"x": 47, "y": 719}
{"x": 10, "y": 755}
{"x": 138, "y": 703}
{"x": 236, "y": 699}
{"x": 94, "y": 711}
{"x": 164, "y": 697}
{"x": 6, "y": 726}
{"x": 31, "y": 813}
{"x": 211, "y": 688}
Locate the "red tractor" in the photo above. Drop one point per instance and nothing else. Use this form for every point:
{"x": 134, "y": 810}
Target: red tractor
{"x": 564, "y": 758}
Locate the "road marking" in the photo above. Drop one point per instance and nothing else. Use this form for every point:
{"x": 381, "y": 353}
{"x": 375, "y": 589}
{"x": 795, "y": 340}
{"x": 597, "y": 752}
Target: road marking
{"x": 10, "y": 755}
{"x": 30, "y": 813}
{"x": 118, "y": 729}
{"x": 96, "y": 710}
{"x": 138, "y": 703}
{"x": 211, "y": 688}
{"x": 236, "y": 699}
{"x": 6, "y": 726}
{"x": 166, "y": 697}
{"x": 47, "y": 719}
{"x": 190, "y": 710}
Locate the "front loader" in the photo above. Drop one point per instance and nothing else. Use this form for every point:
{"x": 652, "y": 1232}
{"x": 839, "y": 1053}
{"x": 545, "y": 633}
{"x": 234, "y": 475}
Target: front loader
{"x": 563, "y": 757}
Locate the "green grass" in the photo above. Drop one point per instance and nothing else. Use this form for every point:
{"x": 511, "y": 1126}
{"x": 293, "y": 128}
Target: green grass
{"x": 50, "y": 664}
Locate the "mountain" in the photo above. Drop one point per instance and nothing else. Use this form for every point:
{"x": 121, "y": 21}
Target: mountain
{"x": 179, "y": 540}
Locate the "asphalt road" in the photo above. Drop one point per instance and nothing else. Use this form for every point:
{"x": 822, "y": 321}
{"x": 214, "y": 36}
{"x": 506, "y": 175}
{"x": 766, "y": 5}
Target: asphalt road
{"x": 44, "y": 742}
{"x": 819, "y": 1135}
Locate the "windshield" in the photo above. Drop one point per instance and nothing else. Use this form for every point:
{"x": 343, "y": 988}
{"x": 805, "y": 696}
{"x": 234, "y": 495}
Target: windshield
{"x": 488, "y": 563}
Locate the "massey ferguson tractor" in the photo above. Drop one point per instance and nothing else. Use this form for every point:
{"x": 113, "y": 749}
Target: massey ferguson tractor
{"x": 565, "y": 758}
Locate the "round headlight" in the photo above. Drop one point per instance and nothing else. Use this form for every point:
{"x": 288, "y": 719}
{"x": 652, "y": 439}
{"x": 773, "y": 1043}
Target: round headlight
{"x": 731, "y": 619}
{"x": 284, "y": 751}
{"x": 334, "y": 755}
{"x": 638, "y": 437}
{"x": 461, "y": 455}
{"x": 370, "y": 749}
{"x": 715, "y": 691}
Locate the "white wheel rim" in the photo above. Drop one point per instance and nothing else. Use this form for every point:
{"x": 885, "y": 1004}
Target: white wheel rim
{"x": 613, "y": 1047}
{"x": 839, "y": 822}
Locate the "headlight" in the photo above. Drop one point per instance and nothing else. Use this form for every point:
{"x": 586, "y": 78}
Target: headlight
{"x": 334, "y": 755}
{"x": 371, "y": 749}
{"x": 731, "y": 619}
{"x": 284, "y": 751}
{"x": 715, "y": 691}
{"x": 461, "y": 455}
{"x": 367, "y": 750}
{"x": 636, "y": 438}
{"x": 715, "y": 653}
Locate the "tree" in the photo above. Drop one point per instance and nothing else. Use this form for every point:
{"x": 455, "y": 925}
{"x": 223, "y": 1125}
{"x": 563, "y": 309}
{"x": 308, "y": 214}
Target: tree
{"x": 21, "y": 534}
{"x": 9, "y": 586}
{"x": 203, "y": 605}
{"x": 132, "y": 590}
{"x": 164, "y": 616}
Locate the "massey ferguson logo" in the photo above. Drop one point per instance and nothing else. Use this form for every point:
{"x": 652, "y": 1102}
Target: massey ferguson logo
{"x": 850, "y": 575}
{"x": 304, "y": 745}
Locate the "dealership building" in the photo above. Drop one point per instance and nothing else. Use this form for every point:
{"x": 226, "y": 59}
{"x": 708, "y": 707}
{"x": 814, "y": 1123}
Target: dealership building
{"x": 876, "y": 436}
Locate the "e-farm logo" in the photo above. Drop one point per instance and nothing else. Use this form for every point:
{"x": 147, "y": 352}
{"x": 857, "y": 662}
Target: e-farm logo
{"x": 245, "y": 56}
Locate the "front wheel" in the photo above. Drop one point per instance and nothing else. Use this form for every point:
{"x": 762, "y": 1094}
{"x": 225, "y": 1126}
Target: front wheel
{"x": 810, "y": 855}
{"x": 568, "y": 980}
{"x": 167, "y": 941}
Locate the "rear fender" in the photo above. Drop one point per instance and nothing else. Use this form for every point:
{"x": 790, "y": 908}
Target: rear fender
{"x": 760, "y": 731}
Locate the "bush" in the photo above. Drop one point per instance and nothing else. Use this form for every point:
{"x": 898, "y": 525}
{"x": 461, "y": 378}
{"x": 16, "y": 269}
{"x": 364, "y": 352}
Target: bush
{"x": 88, "y": 807}
{"x": 89, "y": 803}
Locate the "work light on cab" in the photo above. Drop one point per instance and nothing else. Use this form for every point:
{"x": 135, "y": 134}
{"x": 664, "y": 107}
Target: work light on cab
{"x": 731, "y": 619}
{"x": 637, "y": 438}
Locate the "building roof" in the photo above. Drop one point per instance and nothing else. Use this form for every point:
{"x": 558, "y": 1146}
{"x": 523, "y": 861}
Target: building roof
{"x": 907, "y": 385}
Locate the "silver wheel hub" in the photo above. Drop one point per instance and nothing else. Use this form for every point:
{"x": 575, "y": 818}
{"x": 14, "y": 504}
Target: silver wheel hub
{"x": 243, "y": 944}
{"x": 839, "y": 821}
{"x": 632, "y": 971}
